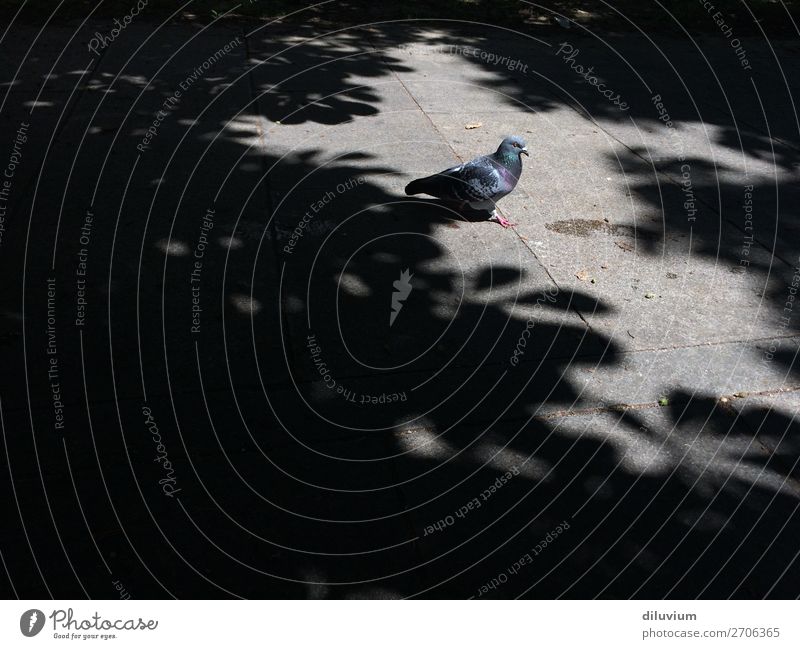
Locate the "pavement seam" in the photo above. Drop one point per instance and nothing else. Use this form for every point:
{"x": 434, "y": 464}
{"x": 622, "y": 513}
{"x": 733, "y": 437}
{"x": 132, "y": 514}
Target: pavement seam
{"x": 273, "y": 223}
{"x": 408, "y": 517}
{"x": 410, "y": 95}
{"x": 706, "y": 343}
{"x": 460, "y": 159}
{"x": 623, "y": 407}
{"x": 308, "y": 382}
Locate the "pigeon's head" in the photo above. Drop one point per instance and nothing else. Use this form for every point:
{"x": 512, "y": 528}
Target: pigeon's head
{"x": 513, "y": 145}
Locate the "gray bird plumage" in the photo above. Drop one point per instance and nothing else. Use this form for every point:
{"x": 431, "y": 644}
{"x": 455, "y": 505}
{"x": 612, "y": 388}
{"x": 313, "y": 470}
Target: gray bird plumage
{"x": 481, "y": 182}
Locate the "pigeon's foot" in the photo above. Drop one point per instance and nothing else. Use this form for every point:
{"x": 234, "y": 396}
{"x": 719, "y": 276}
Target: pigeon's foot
{"x": 498, "y": 218}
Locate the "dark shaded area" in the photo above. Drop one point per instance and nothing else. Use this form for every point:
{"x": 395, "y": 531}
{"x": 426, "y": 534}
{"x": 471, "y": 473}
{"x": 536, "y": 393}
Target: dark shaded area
{"x": 288, "y": 486}
{"x": 610, "y": 15}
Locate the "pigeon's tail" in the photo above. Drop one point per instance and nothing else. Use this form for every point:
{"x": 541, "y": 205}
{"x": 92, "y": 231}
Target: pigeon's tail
{"x": 419, "y": 186}
{"x": 436, "y": 185}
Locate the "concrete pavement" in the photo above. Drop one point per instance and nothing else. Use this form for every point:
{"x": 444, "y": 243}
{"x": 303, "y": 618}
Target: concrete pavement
{"x": 205, "y": 394}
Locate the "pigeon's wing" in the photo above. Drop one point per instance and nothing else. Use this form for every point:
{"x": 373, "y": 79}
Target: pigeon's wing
{"x": 452, "y": 170}
{"x": 476, "y": 181}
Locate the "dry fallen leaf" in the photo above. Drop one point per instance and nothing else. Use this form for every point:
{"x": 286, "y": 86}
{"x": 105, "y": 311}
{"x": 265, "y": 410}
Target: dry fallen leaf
{"x": 473, "y": 125}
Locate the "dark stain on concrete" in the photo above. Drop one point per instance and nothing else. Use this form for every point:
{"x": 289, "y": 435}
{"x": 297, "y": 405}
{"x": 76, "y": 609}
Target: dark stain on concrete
{"x": 587, "y": 227}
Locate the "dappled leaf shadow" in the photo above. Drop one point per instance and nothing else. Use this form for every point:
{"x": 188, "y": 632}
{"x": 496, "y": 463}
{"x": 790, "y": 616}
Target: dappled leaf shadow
{"x": 324, "y": 432}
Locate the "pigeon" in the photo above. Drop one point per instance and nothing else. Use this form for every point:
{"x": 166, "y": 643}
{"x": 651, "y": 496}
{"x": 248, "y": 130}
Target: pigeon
{"x": 481, "y": 182}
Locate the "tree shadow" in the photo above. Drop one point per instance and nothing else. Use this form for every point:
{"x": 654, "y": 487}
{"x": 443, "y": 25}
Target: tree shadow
{"x": 358, "y": 394}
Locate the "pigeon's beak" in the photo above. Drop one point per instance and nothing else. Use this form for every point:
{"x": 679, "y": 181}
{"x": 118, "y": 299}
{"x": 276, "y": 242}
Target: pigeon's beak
{"x": 525, "y": 151}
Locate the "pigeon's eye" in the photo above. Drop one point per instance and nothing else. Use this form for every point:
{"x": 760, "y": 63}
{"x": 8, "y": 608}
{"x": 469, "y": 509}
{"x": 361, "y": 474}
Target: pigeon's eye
{"x": 515, "y": 145}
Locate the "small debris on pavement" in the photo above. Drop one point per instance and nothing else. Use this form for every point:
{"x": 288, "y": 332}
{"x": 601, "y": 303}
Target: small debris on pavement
{"x": 582, "y": 275}
{"x": 624, "y": 245}
{"x": 649, "y": 296}
{"x": 663, "y": 401}
{"x": 473, "y": 125}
